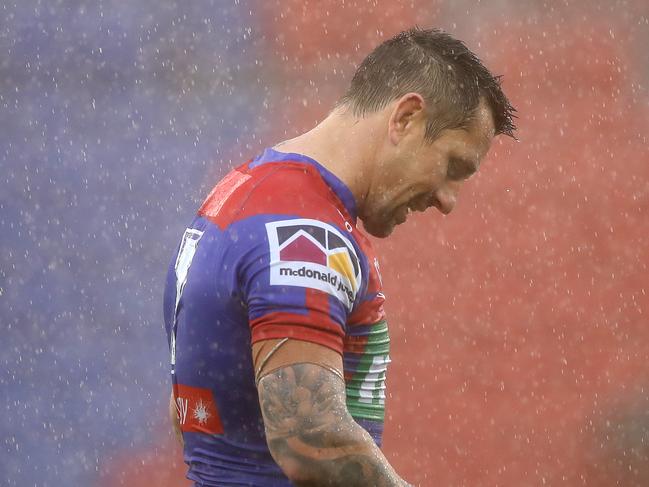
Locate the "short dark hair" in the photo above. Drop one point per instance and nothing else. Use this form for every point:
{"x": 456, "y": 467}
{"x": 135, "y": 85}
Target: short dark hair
{"x": 449, "y": 77}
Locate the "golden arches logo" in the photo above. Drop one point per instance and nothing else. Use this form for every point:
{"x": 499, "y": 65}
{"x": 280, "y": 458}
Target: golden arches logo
{"x": 341, "y": 263}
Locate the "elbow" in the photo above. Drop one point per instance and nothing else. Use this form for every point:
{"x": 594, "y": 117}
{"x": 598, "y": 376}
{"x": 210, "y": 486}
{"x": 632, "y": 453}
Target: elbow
{"x": 299, "y": 471}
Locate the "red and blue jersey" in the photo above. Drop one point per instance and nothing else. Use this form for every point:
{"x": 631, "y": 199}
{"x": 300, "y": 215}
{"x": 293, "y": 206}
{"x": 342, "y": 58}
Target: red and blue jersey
{"x": 273, "y": 252}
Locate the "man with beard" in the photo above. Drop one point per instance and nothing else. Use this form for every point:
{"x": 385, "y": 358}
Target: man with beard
{"x": 273, "y": 304}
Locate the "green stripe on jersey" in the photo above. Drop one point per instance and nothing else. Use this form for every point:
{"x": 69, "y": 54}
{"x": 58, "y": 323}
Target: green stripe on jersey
{"x": 366, "y": 388}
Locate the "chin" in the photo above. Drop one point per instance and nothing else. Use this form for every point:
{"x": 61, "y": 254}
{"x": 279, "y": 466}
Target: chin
{"x": 378, "y": 230}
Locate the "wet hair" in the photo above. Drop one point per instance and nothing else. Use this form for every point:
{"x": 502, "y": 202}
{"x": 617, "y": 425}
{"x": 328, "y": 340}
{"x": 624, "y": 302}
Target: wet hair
{"x": 449, "y": 77}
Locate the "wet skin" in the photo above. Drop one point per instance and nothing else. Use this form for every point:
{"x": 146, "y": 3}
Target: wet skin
{"x": 419, "y": 174}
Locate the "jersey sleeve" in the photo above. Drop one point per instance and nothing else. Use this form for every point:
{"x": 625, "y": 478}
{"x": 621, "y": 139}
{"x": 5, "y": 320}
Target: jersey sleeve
{"x": 300, "y": 280}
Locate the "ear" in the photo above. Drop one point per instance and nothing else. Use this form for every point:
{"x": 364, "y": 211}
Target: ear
{"x": 406, "y": 112}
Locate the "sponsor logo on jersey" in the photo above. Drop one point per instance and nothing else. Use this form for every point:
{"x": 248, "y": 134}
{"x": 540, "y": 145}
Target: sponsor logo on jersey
{"x": 313, "y": 254}
{"x": 197, "y": 412}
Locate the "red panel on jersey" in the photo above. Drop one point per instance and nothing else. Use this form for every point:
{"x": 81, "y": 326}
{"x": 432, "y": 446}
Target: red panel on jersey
{"x": 221, "y": 192}
{"x": 301, "y": 189}
{"x": 197, "y": 410}
{"x": 316, "y": 326}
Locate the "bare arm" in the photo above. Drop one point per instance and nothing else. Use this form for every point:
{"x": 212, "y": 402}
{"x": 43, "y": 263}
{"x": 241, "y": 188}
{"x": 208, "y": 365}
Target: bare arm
{"x": 175, "y": 421}
{"x": 312, "y": 436}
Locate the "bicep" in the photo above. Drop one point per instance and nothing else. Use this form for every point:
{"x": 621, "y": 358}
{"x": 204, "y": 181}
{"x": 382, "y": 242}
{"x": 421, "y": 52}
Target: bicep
{"x": 300, "y": 385}
{"x": 306, "y": 419}
{"x": 269, "y": 355}
{"x": 299, "y": 399}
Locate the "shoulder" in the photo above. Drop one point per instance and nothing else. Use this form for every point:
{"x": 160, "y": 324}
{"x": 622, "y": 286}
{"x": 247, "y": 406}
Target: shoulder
{"x": 280, "y": 189}
{"x": 287, "y": 228}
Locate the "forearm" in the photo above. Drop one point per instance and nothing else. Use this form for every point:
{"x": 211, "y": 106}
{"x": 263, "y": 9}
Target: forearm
{"x": 313, "y": 437}
{"x": 333, "y": 458}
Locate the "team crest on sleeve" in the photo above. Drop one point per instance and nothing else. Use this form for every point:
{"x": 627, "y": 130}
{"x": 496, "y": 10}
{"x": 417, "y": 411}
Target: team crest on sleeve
{"x": 310, "y": 253}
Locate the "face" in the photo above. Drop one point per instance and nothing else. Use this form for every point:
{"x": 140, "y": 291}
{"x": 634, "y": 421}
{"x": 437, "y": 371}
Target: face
{"x": 414, "y": 174}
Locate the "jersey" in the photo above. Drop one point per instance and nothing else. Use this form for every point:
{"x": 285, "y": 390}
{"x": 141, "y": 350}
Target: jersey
{"x": 273, "y": 252}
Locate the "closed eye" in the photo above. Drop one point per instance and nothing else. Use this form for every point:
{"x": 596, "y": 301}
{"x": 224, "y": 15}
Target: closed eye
{"x": 460, "y": 168}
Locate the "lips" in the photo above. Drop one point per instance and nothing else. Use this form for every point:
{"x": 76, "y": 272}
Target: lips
{"x": 419, "y": 205}
{"x": 401, "y": 214}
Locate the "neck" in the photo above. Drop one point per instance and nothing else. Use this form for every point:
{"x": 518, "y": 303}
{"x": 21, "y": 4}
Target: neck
{"x": 342, "y": 144}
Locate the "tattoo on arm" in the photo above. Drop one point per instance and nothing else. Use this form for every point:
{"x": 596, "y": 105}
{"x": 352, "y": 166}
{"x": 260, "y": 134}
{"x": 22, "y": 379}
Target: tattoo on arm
{"x": 311, "y": 434}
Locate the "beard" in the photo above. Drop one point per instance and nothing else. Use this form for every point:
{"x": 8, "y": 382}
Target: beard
{"x": 378, "y": 229}
{"x": 381, "y": 223}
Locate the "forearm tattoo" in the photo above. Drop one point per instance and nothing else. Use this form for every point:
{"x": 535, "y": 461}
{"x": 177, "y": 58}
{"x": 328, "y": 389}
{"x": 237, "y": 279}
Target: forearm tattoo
{"x": 311, "y": 434}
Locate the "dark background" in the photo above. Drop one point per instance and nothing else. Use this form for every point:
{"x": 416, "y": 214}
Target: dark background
{"x": 519, "y": 322}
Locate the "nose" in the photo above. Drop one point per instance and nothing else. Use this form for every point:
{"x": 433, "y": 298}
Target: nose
{"x": 446, "y": 198}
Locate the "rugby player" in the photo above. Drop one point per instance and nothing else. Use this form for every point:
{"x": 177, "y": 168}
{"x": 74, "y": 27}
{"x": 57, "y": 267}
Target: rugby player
{"x": 273, "y": 302}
